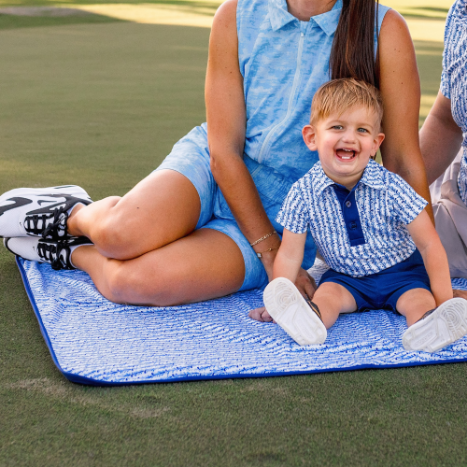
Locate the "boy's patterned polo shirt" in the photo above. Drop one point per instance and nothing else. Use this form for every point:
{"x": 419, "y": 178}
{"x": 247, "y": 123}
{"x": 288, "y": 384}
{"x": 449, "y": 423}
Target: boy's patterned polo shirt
{"x": 360, "y": 232}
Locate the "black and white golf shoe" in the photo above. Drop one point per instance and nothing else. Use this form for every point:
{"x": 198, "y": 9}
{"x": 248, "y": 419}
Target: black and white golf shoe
{"x": 41, "y": 212}
{"x": 56, "y": 253}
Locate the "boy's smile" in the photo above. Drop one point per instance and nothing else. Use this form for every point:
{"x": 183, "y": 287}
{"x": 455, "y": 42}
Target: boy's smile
{"x": 345, "y": 143}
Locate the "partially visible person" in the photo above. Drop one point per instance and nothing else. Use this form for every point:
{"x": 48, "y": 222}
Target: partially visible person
{"x": 202, "y": 225}
{"x": 369, "y": 225}
{"x": 443, "y": 142}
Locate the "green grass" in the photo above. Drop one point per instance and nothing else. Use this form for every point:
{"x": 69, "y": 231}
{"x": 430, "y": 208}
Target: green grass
{"x": 100, "y": 105}
{"x": 17, "y": 22}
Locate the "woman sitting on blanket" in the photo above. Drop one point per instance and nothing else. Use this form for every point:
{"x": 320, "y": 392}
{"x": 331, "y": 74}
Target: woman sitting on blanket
{"x": 442, "y": 135}
{"x": 203, "y": 224}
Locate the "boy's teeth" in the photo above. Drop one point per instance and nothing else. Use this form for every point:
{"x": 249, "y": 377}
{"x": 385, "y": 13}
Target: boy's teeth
{"x": 345, "y": 154}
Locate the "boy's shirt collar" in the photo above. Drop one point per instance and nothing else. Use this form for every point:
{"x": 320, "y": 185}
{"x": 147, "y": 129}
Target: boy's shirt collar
{"x": 280, "y": 16}
{"x": 372, "y": 177}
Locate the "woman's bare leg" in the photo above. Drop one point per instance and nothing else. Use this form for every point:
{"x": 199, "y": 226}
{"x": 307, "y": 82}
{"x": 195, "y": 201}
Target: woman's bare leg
{"x": 163, "y": 207}
{"x": 203, "y": 265}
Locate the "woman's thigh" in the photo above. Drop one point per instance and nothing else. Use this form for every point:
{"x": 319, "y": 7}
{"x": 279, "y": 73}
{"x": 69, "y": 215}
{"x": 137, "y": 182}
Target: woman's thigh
{"x": 203, "y": 265}
{"x": 167, "y": 205}
{"x": 161, "y": 208}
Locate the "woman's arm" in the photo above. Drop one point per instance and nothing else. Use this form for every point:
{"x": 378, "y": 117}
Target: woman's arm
{"x": 440, "y": 138}
{"x": 434, "y": 257}
{"x": 400, "y": 90}
{"x": 226, "y": 117}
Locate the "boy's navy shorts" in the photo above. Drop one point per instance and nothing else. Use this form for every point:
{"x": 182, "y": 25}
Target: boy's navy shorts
{"x": 382, "y": 290}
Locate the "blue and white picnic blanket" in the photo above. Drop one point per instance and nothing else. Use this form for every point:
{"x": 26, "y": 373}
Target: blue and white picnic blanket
{"x": 94, "y": 341}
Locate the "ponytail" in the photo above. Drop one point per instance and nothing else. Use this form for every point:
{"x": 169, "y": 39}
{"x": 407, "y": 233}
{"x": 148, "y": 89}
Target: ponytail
{"x": 353, "y": 49}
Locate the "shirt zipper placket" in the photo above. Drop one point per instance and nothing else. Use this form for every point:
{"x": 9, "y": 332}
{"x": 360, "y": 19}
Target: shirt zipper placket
{"x": 295, "y": 84}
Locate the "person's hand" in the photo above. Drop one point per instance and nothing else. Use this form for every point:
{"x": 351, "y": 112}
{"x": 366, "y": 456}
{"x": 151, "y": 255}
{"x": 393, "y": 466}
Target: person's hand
{"x": 304, "y": 283}
{"x": 460, "y": 293}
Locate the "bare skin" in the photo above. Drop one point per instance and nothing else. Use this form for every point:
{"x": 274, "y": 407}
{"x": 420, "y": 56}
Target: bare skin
{"x": 440, "y": 141}
{"x": 132, "y": 233}
{"x": 333, "y": 299}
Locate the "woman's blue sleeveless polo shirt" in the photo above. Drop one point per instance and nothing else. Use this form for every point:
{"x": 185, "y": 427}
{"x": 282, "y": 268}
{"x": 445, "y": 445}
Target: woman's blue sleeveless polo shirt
{"x": 283, "y": 62}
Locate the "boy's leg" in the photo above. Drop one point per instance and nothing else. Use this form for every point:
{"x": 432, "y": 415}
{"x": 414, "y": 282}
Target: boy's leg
{"x": 431, "y": 328}
{"x": 414, "y": 303}
{"x": 303, "y": 320}
{"x": 333, "y": 299}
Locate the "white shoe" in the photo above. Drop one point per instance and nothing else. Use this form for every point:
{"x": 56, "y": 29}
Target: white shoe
{"x": 41, "y": 212}
{"x": 292, "y": 313}
{"x": 439, "y": 328}
{"x": 56, "y": 253}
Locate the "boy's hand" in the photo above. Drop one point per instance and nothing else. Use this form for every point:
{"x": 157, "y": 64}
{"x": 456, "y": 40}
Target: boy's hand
{"x": 304, "y": 283}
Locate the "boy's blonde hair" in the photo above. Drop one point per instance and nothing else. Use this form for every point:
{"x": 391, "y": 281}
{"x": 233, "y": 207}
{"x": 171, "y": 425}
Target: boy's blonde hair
{"x": 338, "y": 95}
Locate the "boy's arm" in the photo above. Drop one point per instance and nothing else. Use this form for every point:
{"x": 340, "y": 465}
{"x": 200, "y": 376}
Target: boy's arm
{"x": 436, "y": 262}
{"x": 290, "y": 255}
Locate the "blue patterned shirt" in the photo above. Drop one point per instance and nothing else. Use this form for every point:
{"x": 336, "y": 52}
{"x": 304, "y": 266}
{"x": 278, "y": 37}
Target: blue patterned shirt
{"x": 454, "y": 77}
{"x": 358, "y": 232}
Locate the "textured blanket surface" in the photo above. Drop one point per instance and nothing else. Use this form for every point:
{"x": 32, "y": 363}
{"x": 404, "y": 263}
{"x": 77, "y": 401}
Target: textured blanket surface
{"x": 94, "y": 341}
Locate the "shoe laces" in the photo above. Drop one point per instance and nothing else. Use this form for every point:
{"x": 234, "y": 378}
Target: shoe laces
{"x": 55, "y": 253}
{"x": 51, "y": 225}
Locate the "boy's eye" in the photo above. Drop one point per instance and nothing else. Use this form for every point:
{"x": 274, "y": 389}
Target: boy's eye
{"x": 363, "y": 130}
{"x": 337, "y": 127}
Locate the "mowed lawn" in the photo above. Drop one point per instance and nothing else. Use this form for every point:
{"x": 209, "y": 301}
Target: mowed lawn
{"x": 100, "y": 104}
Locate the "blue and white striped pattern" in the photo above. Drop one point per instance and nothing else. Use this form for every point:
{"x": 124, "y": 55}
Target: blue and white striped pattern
{"x": 454, "y": 77}
{"x": 386, "y": 204}
{"x": 94, "y": 341}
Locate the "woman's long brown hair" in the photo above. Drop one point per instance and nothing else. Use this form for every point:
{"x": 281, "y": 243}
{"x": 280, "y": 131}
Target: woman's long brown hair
{"x": 353, "y": 49}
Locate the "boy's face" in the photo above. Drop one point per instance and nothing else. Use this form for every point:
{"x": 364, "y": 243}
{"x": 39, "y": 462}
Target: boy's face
{"x": 345, "y": 143}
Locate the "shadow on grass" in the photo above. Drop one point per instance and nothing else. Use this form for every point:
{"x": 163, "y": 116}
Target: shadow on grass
{"x": 17, "y": 22}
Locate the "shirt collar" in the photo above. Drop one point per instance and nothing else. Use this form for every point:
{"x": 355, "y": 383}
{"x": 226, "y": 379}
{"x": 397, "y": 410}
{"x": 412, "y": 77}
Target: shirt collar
{"x": 372, "y": 177}
{"x": 280, "y": 16}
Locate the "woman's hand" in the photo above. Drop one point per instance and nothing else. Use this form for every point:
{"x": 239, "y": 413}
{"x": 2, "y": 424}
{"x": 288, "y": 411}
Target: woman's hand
{"x": 304, "y": 283}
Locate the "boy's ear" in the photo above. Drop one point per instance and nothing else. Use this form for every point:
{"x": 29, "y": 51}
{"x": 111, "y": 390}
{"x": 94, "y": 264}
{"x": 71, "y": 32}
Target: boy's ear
{"x": 309, "y": 136}
{"x": 378, "y": 141}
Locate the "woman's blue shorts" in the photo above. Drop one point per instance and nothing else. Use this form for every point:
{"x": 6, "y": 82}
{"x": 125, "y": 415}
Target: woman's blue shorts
{"x": 383, "y": 289}
{"x": 190, "y": 157}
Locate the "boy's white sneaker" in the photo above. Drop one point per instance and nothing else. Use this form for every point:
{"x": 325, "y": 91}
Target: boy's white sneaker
{"x": 438, "y": 328}
{"x": 56, "y": 253}
{"x": 292, "y": 313}
{"x": 41, "y": 212}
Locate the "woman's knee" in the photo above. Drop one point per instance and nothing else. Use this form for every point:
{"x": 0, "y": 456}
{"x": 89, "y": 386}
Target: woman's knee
{"x": 111, "y": 232}
{"x": 126, "y": 284}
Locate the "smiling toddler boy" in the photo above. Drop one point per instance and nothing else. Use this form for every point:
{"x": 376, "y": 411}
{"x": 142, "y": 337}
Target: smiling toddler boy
{"x": 369, "y": 225}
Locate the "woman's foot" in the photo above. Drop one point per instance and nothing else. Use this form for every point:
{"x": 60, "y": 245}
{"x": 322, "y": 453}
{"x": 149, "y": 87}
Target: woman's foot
{"x": 299, "y": 319}
{"x": 41, "y": 212}
{"x": 57, "y": 253}
{"x": 438, "y": 328}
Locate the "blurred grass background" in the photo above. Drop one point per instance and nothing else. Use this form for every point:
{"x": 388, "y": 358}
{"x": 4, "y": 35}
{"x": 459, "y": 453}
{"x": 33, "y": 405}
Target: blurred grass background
{"x": 99, "y": 100}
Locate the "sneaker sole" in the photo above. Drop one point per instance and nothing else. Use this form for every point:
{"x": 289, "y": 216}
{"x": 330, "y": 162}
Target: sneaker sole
{"x": 444, "y": 326}
{"x": 290, "y": 311}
